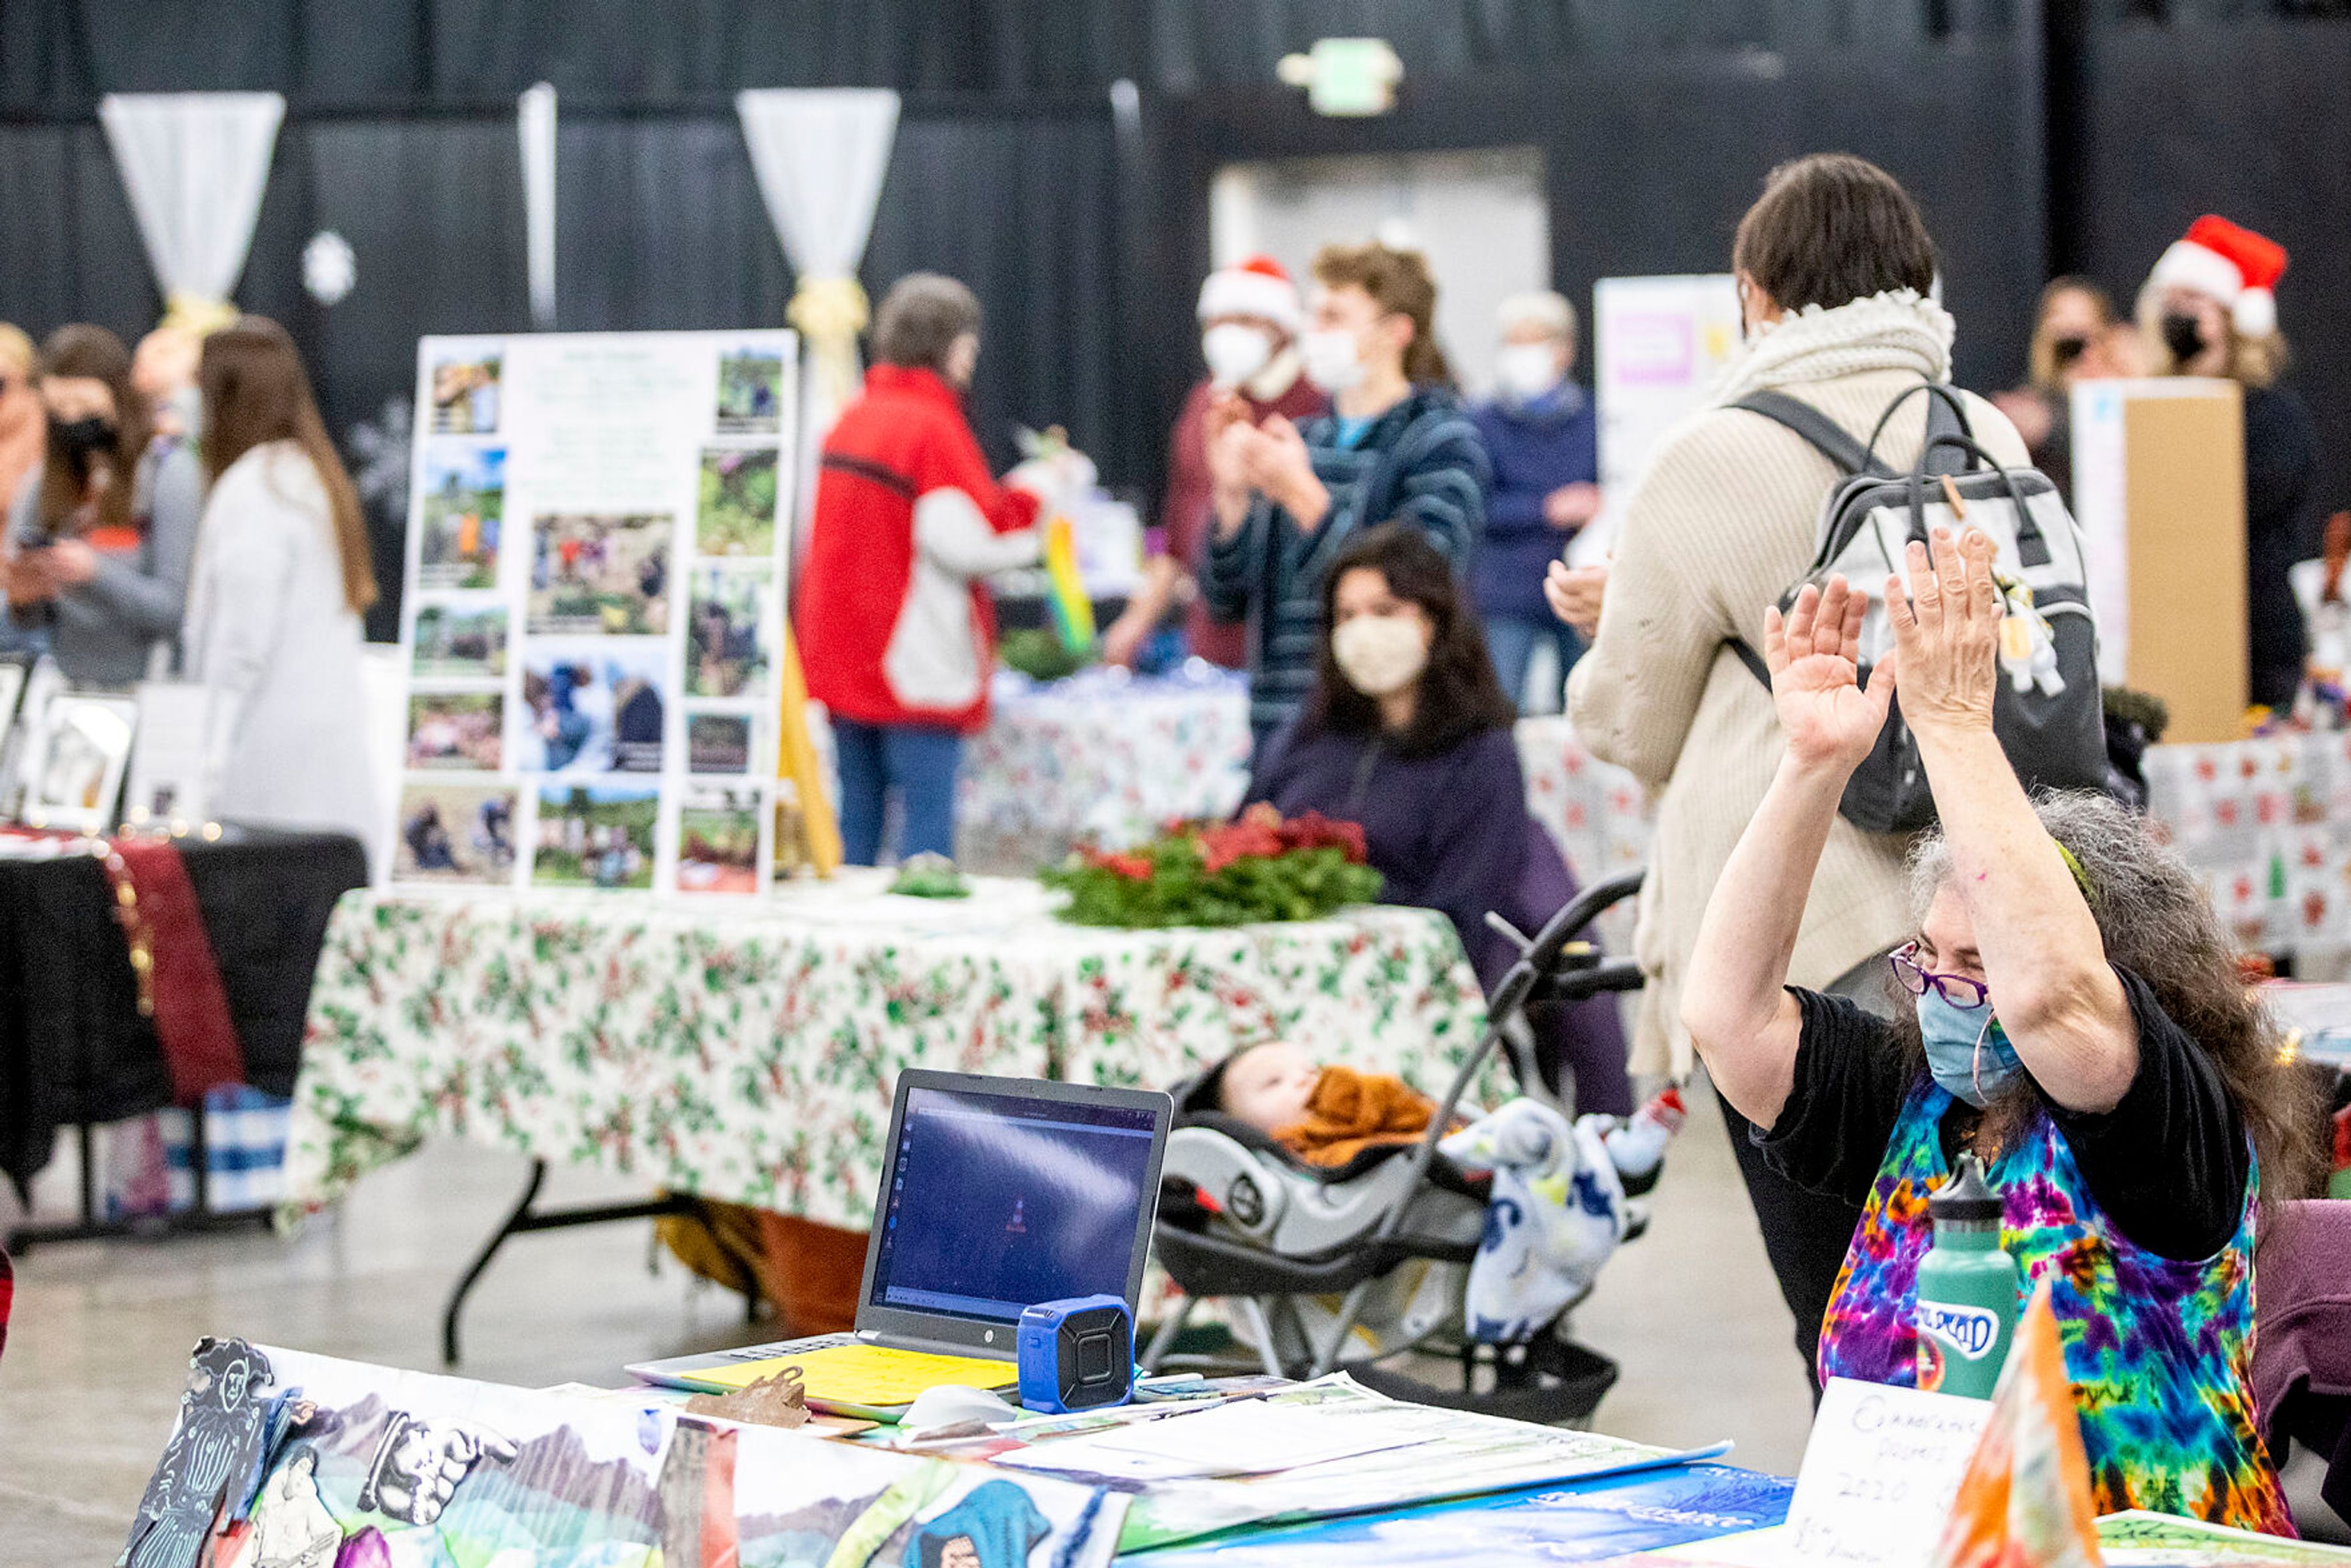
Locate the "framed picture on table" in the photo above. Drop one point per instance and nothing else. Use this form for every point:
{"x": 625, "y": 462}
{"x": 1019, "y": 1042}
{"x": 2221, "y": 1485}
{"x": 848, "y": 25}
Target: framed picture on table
{"x": 76, "y": 753}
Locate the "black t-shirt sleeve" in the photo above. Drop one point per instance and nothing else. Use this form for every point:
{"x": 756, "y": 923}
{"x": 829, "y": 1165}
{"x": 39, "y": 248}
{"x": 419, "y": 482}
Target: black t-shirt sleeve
{"x": 1852, "y": 1074}
{"x": 2168, "y": 1164}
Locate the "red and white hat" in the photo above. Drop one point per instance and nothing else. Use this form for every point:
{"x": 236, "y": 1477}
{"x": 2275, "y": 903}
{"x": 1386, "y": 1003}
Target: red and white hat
{"x": 2235, "y": 266}
{"x": 1258, "y": 287}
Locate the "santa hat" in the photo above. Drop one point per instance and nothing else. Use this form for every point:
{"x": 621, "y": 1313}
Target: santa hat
{"x": 2235, "y": 266}
{"x": 1257, "y": 286}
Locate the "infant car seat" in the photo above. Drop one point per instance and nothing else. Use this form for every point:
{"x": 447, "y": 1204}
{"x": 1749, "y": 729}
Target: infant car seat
{"x": 1392, "y": 1231}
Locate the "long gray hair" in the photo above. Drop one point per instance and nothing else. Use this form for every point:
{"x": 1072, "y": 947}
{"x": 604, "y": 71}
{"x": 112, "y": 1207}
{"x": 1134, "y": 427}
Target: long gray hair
{"x": 2157, "y": 922}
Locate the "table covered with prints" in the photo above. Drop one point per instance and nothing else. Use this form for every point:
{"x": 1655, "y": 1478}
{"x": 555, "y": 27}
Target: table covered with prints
{"x": 748, "y": 1053}
{"x": 1102, "y": 754}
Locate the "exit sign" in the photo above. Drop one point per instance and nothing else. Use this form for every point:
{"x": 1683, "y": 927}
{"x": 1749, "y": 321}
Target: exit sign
{"x": 1346, "y": 76}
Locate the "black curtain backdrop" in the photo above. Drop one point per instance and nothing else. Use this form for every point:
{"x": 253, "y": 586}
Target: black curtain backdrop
{"x": 1084, "y": 229}
{"x": 2254, "y": 125}
{"x": 60, "y": 54}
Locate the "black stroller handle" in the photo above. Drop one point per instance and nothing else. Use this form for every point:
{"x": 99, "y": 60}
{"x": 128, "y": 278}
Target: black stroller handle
{"x": 1539, "y": 960}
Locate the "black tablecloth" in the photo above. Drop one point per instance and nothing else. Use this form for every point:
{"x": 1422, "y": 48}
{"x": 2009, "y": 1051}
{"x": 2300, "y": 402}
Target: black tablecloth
{"x": 73, "y": 1047}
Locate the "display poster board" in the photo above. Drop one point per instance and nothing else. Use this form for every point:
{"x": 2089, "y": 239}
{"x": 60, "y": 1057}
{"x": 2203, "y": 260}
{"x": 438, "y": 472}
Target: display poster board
{"x": 2159, "y": 492}
{"x": 1658, "y": 344}
{"x": 593, "y": 623}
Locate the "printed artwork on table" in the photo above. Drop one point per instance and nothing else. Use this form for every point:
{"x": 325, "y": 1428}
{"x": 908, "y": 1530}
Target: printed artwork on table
{"x": 77, "y": 752}
{"x": 465, "y": 493}
{"x": 456, "y": 729}
{"x": 736, "y": 514}
{"x": 466, "y": 394}
{"x": 750, "y": 392}
{"x": 601, "y": 573}
{"x": 595, "y": 835}
{"x": 456, "y": 833}
{"x": 717, "y": 743}
{"x": 725, "y": 656}
{"x": 217, "y": 1443}
{"x": 718, "y": 839}
{"x": 364, "y": 1466}
{"x": 459, "y": 641}
{"x": 592, "y": 705}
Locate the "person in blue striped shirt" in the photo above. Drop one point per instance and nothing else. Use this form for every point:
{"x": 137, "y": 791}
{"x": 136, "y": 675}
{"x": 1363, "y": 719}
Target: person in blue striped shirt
{"x": 1395, "y": 447}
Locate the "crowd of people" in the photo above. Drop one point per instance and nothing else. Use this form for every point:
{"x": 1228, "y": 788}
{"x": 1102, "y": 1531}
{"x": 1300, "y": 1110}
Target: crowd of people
{"x": 181, "y": 512}
{"x": 2036, "y": 981}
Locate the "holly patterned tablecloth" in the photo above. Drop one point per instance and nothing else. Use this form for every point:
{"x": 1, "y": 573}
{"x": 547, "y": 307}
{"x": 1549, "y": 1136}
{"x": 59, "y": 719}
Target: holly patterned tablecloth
{"x": 1595, "y": 811}
{"x": 2267, "y": 824}
{"x": 749, "y": 1052}
{"x": 1101, "y": 755}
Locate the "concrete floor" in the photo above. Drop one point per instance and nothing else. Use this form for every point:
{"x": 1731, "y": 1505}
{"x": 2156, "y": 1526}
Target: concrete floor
{"x": 96, "y": 1349}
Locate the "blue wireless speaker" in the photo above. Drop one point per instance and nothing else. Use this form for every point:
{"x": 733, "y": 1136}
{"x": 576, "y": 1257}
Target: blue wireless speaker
{"x": 1076, "y": 1354}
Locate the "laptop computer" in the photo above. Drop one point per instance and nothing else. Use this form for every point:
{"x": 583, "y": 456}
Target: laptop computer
{"x": 996, "y": 1194}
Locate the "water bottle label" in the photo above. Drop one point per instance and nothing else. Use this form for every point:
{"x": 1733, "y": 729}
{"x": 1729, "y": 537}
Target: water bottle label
{"x": 1969, "y": 1330}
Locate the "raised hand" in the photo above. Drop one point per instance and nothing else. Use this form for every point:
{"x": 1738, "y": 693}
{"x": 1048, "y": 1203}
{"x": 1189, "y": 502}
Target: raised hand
{"x": 1946, "y": 632}
{"x": 1815, "y": 655}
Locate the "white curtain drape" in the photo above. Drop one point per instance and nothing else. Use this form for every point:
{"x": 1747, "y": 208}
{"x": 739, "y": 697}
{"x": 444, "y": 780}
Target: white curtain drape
{"x": 534, "y": 124}
{"x": 819, "y": 154}
{"x": 194, "y": 164}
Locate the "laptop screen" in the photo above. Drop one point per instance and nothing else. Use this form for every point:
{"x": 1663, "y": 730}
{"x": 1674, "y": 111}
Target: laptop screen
{"x": 996, "y": 1202}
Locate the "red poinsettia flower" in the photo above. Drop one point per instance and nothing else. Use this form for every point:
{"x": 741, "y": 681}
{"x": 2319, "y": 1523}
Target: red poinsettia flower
{"x": 1134, "y": 868}
{"x": 1313, "y": 831}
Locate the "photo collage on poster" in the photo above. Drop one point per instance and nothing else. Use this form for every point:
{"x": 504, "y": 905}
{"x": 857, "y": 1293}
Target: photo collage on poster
{"x": 595, "y": 615}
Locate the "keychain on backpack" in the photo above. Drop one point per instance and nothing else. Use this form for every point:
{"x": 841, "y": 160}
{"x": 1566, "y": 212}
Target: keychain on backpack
{"x": 2028, "y": 648}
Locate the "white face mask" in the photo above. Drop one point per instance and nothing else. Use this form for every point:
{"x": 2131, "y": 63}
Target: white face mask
{"x": 1380, "y": 655}
{"x": 1526, "y": 370}
{"x": 1333, "y": 361}
{"x": 1234, "y": 352}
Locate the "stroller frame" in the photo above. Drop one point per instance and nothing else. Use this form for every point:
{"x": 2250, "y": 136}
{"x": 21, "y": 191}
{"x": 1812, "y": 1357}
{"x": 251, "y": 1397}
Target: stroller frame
{"x": 1552, "y": 965}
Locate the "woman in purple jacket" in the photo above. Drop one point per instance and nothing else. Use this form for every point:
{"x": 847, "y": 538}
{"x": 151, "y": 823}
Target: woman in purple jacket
{"x": 1407, "y": 733}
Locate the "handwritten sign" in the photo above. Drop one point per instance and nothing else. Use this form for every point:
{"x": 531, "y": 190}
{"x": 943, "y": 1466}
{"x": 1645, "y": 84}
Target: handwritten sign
{"x": 1879, "y": 1474}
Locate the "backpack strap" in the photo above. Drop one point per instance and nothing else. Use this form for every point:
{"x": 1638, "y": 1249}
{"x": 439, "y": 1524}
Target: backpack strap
{"x": 1946, "y": 415}
{"x": 1824, "y": 435}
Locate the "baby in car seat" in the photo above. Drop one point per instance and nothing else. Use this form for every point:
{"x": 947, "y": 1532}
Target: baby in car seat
{"x": 1559, "y": 1202}
{"x": 1324, "y": 1115}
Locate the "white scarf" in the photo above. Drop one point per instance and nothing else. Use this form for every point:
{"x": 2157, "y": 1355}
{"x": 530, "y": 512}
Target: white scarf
{"x": 1897, "y": 330}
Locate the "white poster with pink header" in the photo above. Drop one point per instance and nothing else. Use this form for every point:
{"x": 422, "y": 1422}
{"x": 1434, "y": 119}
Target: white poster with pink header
{"x": 1658, "y": 344}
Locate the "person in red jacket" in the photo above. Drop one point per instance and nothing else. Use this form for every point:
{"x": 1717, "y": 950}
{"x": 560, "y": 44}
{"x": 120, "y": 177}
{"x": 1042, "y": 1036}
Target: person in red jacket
{"x": 897, "y": 628}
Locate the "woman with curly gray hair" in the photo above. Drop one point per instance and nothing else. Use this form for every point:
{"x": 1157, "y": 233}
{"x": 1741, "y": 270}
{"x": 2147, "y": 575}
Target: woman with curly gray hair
{"x": 2077, "y": 1024}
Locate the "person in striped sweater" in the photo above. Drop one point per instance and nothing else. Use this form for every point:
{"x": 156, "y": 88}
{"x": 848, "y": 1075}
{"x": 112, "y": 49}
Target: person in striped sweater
{"x": 1395, "y": 447}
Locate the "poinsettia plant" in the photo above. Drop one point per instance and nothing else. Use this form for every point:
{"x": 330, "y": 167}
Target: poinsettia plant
{"x": 1261, "y": 866}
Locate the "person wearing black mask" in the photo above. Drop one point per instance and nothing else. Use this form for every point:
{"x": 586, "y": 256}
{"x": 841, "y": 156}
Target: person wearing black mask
{"x": 2073, "y": 340}
{"x": 2210, "y": 308}
{"x": 101, "y": 541}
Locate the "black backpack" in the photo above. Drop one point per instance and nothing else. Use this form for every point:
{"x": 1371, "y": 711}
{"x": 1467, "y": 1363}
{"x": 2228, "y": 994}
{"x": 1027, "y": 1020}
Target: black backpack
{"x": 2049, "y": 713}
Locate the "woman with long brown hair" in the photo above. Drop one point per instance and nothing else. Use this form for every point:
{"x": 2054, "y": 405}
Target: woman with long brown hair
{"x": 282, "y": 577}
{"x": 101, "y": 538}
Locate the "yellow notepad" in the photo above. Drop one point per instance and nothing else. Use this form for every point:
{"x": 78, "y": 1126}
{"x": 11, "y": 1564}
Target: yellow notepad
{"x": 868, "y": 1374}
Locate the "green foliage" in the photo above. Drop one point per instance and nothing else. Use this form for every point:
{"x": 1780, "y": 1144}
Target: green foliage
{"x": 1040, "y": 655}
{"x": 1179, "y": 890}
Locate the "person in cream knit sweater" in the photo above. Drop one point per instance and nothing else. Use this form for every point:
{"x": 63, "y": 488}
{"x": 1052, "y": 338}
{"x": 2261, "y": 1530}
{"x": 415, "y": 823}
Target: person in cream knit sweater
{"x": 1833, "y": 266}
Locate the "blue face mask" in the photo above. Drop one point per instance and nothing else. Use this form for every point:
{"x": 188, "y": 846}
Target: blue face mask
{"x": 1967, "y": 1050}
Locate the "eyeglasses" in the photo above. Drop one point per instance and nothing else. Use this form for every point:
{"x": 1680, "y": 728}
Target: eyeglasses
{"x": 1961, "y": 992}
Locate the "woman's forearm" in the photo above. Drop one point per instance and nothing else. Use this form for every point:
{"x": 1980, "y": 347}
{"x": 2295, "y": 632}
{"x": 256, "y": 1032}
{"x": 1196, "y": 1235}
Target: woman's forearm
{"x": 1734, "y": 1001}
{"x": 2043, "y": 959}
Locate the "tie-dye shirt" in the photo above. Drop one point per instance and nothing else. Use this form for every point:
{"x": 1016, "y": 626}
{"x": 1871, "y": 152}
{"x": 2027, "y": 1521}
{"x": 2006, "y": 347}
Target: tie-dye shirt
{"x": 2159, "y": 1350}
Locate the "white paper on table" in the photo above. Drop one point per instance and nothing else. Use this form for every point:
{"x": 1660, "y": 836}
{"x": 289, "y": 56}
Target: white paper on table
{"x": 1879, "y": 1474}
{"x": 167, "y": 753}
{"x": 1248, "y": 1436}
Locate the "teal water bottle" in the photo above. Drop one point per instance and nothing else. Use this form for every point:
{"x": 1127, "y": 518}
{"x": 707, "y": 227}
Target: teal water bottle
{"x": 1966, "y": 1289}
